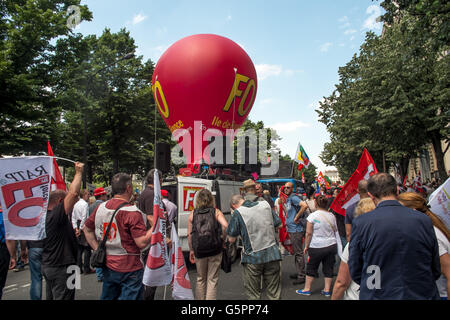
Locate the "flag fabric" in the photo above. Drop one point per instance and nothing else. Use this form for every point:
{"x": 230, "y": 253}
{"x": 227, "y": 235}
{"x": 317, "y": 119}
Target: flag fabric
{"x": 418, "y": 183}
{"x": 440, "y": 202}
{"x": 25, "y": 184}
{"x": 182, "y": 289}
{"x": 301, "y": 157}
{"x": 406, "y": 181}
{"x": 321, "y": 179}
{"x": 57, "y": 179}
{"x": 349, "y": 193}
{"x": 303, "y": 178}
{"x": 317, "y": 188}
{"x": 158, "y": 269}
{"x": 283, "y": 234}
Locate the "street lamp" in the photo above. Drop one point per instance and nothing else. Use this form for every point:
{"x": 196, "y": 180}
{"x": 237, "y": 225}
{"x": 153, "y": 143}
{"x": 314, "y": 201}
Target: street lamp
{"x": 125, "y": 57}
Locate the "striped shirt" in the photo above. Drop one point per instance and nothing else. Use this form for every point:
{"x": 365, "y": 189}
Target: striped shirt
{"x": 237, "y": 227}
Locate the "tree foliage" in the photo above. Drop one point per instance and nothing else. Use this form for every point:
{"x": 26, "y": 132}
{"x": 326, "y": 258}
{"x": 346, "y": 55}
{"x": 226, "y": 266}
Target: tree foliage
{"x": 392, "y": 98}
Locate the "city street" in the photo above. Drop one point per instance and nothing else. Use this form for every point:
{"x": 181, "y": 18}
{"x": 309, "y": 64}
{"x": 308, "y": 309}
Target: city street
{"x": 230, "y": 285}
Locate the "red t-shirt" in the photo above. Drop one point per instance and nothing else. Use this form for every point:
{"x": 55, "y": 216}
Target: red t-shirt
{"x": 130, "y": 225}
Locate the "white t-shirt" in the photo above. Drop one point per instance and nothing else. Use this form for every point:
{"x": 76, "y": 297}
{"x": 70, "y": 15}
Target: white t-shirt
{"x": 444, "y": 247}
{"x": 352, "y": 292}
{"x": 323, "y": 235}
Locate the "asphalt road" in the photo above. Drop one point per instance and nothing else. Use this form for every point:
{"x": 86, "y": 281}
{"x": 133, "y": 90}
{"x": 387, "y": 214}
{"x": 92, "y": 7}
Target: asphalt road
{"x": 230, "y": 285}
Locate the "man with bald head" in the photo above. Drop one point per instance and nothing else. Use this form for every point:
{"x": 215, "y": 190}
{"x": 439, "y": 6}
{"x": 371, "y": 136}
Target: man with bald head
{"x": 362, "y": 190}
{"x": 295, "y": 208}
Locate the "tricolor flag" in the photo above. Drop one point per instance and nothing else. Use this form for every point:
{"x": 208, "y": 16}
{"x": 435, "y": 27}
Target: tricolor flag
{"x": 57, "y": 179}
{"x": 349, "y": 193}
{"x": 301, "y": 157}
{"x": 158, "y": 269}
{"x": 182, "y": 289}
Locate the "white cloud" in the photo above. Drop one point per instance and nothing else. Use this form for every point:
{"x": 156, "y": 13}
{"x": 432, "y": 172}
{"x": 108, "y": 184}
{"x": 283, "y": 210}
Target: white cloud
{"x": 267, "y": 70}
{"x": 343, "y": 19}
{"x": 229, "y": 18}
{"x": 324, "y": 47}
{"x": 371, "y": 21}
{"x": 289, "y": 126}
{"x": 350, "y": 31}
{"x": 138, "y": 18}
{"x": 341, "y": 44}
{"x": 352, "y": 38}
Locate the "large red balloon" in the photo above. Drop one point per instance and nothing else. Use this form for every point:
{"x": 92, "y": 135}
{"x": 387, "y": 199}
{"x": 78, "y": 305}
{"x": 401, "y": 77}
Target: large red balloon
{"x": 205, "y": 78}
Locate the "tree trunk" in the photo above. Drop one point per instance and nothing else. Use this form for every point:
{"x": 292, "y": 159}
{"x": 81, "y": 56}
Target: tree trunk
{"x": 436, "y": 141}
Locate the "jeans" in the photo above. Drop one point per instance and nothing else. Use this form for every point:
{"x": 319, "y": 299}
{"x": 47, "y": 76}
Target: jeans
{"x": 35, "y": 260}
{"x": 84, "y": 264}
{"x": 99, "y": 272}
{"x": 122, "y": 285}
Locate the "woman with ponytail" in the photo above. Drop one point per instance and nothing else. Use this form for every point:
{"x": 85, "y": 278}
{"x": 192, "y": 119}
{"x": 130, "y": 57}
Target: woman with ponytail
{"x": 416, "y": 201}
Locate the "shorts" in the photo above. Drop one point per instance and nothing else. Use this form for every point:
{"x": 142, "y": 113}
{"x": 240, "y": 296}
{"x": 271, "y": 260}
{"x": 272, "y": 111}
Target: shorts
{"x": 326, "y": 256}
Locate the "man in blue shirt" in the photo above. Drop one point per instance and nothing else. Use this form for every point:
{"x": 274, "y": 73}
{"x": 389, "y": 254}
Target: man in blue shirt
{"x": 295, "y": 208}
{"x": 394, "y": 253}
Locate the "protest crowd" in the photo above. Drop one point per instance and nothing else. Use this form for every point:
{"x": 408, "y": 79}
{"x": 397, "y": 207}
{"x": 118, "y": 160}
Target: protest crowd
{"x": 388, "y": 244}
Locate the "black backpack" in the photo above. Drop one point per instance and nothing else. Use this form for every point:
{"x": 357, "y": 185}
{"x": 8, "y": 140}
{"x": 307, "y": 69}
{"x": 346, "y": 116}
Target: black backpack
{"x": 206, "y": 233}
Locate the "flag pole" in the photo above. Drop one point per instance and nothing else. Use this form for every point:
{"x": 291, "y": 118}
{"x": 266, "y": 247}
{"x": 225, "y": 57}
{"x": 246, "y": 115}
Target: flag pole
{"x": 165, "y": 289}
{"x": 63, "y": 159}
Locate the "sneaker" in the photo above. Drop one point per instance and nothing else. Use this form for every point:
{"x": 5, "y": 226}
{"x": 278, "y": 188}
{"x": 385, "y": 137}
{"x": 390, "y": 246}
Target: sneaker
{"x": 293, "y": 276}
{"x": 303, "y": 293}
{"x": 326, "y": 293}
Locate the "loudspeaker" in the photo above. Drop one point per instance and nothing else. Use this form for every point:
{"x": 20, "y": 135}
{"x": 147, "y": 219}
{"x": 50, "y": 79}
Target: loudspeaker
{"x": 162, "y": 154}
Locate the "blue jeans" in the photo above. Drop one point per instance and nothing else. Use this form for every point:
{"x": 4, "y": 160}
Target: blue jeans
{"x": 34, "y": 261}
{"x": 99, "y": 272}
{"x": 122, "y": 285}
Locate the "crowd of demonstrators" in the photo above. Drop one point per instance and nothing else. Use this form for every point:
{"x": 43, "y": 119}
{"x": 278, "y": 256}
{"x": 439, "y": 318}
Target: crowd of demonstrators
{"x": 206, "y": 236}
{"x": 393, "y": 245}
{"x": 349, "y": 212}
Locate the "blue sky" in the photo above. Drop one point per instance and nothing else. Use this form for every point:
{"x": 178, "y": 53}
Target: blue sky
{"x": 296, "y": 47}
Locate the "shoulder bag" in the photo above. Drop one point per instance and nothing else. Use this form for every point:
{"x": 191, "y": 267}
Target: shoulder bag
{"x": 98, "y": 257}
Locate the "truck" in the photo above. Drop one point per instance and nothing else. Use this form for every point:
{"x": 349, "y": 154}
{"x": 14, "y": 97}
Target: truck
{"x": 183, "y": 190}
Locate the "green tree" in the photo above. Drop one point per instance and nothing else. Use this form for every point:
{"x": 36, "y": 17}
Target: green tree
{"x": 29, "y": 112}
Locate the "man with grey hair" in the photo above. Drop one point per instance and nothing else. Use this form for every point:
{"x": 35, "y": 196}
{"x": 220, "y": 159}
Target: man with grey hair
{"x": 122, "y": 276}
{"x": 349, "y": 212}
{"x": 394, "y": 253}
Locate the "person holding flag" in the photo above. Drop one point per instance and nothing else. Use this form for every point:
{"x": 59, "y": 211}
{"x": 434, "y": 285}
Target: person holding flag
{"x": 122, "y": 276}
{"x": 301, "y": 158}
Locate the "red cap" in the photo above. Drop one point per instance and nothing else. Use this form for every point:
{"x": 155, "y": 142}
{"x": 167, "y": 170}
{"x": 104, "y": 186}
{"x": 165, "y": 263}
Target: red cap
{"x": 99, "y": 191}
{"x": 164, "y": 193}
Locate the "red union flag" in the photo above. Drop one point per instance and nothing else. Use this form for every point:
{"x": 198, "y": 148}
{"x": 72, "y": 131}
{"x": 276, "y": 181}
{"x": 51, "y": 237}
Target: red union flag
{"x": 57, "y": 179}
{"x": 182, "y": 289}
{"x": 349, "y": 193}
{"x": 158, "y": 269}
{"x": 24, "y": 193}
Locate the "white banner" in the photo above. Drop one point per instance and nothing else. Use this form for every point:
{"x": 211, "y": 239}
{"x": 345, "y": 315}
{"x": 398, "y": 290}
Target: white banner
{"x": 440, "y": 202}
{"x": 24, "y": 192}
{"x": 158, "y": 269}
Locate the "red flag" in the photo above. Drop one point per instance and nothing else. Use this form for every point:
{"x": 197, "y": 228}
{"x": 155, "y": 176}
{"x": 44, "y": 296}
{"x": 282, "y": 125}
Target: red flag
{"x": 418, "y": 183}
{"x": 284, "y": 236}
{"x": 349, "y": 193}
{"x": 303, "y": 178}
{"x": 57, "y": 179}
{"x": 405, "y": 181}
